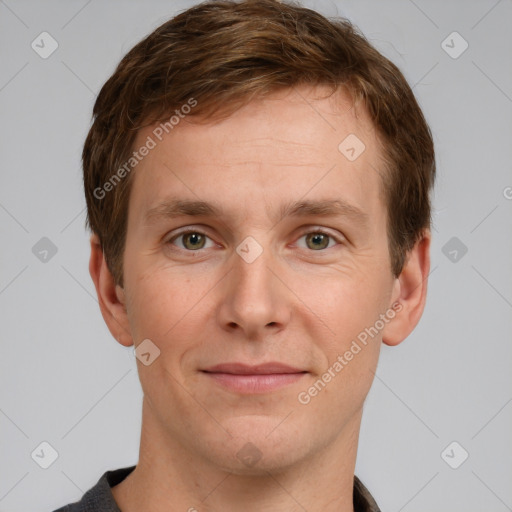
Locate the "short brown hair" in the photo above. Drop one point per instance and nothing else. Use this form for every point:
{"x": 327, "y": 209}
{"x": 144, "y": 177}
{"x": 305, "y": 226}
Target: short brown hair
{"x": 225, "y": 53}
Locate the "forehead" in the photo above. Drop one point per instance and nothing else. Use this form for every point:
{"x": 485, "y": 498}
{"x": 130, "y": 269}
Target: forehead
{"x": 293, "y": 143}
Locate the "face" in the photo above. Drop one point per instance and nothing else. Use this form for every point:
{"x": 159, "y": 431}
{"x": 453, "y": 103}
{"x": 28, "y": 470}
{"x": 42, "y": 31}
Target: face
{"x": 257, "y": 286}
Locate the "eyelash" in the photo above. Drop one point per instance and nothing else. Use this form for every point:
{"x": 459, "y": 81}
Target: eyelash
{"x": 198, "y": 231}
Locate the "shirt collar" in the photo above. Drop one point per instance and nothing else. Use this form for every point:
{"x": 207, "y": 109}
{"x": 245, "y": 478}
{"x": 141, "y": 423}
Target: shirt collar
{"x": 363, "y": 500}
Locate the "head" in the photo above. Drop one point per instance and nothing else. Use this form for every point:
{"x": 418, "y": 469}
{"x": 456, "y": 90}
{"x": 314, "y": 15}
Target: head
{"x": 246, "y": 122}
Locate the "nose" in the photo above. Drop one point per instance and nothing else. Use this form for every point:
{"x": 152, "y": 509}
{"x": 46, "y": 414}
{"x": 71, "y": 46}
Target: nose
{"x": 255, "y": 300}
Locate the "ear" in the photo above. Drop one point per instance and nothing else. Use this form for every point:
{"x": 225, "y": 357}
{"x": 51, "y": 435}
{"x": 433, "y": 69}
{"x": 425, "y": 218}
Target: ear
{"x": 409, "y": 293}
{"x": 111, "y": 297}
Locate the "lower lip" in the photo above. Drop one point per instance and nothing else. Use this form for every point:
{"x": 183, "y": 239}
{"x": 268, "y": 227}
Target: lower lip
{"x": 255, "y": 383}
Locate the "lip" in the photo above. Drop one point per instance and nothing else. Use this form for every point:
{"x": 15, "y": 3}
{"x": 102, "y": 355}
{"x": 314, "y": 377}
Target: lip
{"x": 259, "y": 369}
{"x": 247, "y": 379}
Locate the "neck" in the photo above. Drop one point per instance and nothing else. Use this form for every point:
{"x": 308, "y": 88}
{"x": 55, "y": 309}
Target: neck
{"x": 168, "y": 477}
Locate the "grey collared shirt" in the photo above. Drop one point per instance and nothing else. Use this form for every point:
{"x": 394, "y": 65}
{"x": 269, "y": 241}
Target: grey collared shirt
{"x": 100, "y": 498}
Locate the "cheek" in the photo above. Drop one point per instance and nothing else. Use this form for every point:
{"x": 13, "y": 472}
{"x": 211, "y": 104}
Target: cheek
{"x": 349, "y": 349}
{"x": 350, "y": 304}
{"x": 149, "y": 310}
{"x": 343, "y": 303}
{"x": 164, "y": 302}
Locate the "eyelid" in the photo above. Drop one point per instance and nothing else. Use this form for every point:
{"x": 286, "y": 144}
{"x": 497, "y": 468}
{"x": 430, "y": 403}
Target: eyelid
{"x": 186, "y": 231}
{"x": 340, "y": 239}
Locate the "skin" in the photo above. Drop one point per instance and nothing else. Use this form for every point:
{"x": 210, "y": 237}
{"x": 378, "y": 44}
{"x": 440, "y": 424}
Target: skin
{"x": 295, "y": 303}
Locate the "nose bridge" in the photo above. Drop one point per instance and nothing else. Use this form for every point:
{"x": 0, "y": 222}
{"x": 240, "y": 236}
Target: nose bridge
{"x": 251, "y": 275}
{"x": 253, "y": 299}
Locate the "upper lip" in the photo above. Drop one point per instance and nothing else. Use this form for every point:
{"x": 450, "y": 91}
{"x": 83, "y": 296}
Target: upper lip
{"x": 259, "y": 369}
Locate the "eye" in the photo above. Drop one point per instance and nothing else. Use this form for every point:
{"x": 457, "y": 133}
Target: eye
{"x": 318, "y": 240}
{"x": 191, "y": 240}
{"x": 194, "y": 240}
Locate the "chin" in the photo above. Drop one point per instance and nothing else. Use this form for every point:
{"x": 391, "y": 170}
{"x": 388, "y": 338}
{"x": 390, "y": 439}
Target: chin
{"x": 258, "y": 445}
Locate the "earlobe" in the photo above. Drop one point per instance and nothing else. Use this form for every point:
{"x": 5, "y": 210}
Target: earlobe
{"x": 410, "y": 292}
{"x": 111, "y": 297}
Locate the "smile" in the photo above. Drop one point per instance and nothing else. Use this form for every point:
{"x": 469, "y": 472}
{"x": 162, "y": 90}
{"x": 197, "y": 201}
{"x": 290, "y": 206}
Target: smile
{"x": 247, "y": 379}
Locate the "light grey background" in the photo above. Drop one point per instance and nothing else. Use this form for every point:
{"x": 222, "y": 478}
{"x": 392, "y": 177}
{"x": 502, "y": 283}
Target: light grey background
{"x": 65, "y": 381}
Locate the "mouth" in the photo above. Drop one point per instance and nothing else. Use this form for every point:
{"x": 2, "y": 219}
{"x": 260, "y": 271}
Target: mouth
{"x": 247, "y": 379}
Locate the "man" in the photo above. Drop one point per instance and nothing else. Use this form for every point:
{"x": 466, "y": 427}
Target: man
{"x": 257, "y": 181}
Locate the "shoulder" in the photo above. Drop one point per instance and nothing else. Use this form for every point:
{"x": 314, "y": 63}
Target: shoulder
{"x": 100, "y": 498}
{"x": 363, "y": 500}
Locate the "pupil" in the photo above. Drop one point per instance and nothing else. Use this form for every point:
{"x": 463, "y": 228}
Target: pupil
{"x": 317, "y": 239}
{"x": 194, "y": 238}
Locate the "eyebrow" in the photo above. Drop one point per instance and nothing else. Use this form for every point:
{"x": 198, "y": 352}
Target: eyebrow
{"x": 172, "y": 208}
